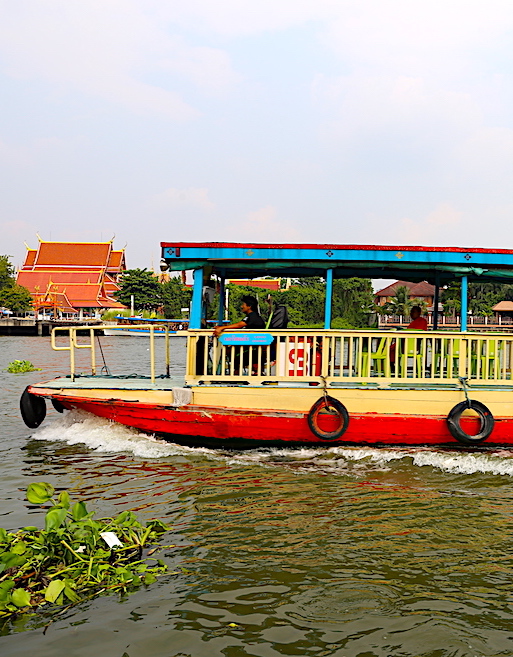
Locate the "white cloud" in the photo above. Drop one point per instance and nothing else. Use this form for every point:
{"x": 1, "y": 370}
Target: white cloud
{"x": 108, "y": 49}
{"x": 191, "y": 197}
{"x": 433, "y": 229}
{"x": 263, "y": 225}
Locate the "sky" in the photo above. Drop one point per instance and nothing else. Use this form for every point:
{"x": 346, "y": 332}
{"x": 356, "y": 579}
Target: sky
{"x": 316, "y": 121}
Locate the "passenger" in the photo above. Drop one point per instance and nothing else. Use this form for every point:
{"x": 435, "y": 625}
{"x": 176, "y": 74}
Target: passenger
{"x": 418, "y": 322}
{"x": 249, "y": 306}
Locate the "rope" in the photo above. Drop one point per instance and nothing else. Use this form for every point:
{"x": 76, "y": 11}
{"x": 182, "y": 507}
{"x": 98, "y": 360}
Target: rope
{"x": 105, "y": 366}
{"x": 463, "y": 381}
{"x": 325, "y": 393}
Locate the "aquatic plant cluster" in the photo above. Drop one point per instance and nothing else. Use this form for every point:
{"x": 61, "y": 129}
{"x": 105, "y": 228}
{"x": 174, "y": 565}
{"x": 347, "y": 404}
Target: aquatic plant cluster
{"x": 75, "y": 557}
{"x": 20, "y": 366}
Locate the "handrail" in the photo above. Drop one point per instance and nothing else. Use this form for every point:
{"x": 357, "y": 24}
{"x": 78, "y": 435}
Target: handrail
{"x": 73, "y": 344}
{"x": 352, "y": 357}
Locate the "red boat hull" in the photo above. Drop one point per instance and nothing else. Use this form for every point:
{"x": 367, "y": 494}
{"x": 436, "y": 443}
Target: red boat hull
{"x": 225, "y": 426}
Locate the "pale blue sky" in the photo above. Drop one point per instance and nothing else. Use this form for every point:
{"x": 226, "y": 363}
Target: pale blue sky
{"x": 339, "y": 121}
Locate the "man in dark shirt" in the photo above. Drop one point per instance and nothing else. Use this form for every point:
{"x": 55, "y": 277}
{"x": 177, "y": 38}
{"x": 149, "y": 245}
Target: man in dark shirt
{"x": 249, "y": 306}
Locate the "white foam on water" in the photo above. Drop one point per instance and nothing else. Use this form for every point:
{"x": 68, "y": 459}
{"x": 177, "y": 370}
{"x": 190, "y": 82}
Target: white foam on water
{"x": 78, "y": 427}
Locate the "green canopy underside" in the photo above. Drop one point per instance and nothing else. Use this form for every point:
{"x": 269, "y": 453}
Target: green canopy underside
{"x": 400, "y": 270}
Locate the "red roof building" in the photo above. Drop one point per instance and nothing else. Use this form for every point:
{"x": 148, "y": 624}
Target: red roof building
{"x": 273, "y": 285}
{"x": 72, "y": 277}
{"x": 423, "y": 291}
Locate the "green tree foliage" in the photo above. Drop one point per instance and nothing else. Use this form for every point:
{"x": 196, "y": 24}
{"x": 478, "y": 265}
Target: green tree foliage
{"x": 12, "y": 296}
{"x": 305, "y": 301}
{"x": 400, "y": 304}
{"x": 17, "y": 298}
{"x": 353, "y": 300}
{"x": 145, "y": 288}
{"x": 175, "y": 296}
{"x": 6, "y": 272}
{"x": 482, "y": 297}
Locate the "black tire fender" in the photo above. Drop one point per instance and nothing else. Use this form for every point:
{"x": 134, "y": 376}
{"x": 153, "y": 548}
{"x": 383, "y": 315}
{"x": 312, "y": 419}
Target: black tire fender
{"x": 333, "y": 405}
{"x": 57, "y": 405}
{"x": 485, "y": 415}
{"x": 32, "y": 408}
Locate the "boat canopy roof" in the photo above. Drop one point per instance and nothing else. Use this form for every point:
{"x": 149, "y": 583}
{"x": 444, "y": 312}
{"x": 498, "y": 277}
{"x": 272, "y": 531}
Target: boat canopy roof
{"x": 412, "y": 263}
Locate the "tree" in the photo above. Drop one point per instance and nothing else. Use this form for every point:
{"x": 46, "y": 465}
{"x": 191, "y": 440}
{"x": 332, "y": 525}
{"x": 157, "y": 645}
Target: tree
{"x": 175, "y": 296}
{"x": 6, "y": 272}
{"x": 482, "y": 297}
{"x": 145, "y": 288}
{"x": 353, "y": 300}
{"x": 401, "y": 303}
{"x": 12, "y": 296}
{"x": 16, "y": 298}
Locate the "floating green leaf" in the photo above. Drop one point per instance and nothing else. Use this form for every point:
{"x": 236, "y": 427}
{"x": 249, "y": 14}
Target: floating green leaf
{"x": 78, "y": 511}
{"x": 40, "y": 493}
{"x": 54, "y": 518}
{"x": 20, "y": 598}
{"x": 63, "y": 499}
{"x": 55, "y": 588}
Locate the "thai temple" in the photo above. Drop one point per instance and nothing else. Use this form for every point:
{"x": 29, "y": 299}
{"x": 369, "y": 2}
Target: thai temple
{"x": 70, "y": 278}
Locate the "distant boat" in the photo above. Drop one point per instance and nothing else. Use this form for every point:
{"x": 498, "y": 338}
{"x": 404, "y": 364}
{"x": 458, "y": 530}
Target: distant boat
{"x": 140, "y": 326}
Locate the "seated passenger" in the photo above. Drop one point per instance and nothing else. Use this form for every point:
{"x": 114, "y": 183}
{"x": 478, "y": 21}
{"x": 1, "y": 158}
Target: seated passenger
{"x": 418, "y": 322}
{"x": 249, "y": 306}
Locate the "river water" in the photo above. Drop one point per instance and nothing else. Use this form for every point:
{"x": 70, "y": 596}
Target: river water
{"x": 350, "y": 552}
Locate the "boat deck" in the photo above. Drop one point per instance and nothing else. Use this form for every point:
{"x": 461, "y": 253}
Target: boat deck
{"x": 106, "y": 382}
{"x": 109, "y": 382}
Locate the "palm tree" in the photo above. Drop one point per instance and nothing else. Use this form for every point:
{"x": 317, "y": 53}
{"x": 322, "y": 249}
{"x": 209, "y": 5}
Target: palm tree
{"x": 401, "y": 304}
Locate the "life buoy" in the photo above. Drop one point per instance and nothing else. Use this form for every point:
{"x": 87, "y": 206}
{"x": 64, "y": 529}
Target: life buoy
{"x": 487, "y": 422}
{"x": 332, "y": 405}
{"x": 57, "y": 405}
{"x": 33, "y": 409}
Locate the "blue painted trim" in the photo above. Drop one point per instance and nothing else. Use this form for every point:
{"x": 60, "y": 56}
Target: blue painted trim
{"x": 464, "y": 303}
{"x": 291, "y": 255}
{"x": 234, "y": 339}
{"x": 197, "y": 300}
{"x": 220, "y": 311}
{"x": 329, "y": 295}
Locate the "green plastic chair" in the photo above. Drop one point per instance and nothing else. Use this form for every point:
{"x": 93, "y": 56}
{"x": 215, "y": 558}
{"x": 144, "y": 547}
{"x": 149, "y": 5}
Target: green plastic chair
{"x": 379, "y": 356}
{"x": 490, "y": 359}
{"x": 413, "y": 350}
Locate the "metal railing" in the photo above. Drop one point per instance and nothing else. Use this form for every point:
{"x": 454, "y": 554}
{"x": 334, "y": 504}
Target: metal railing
{"x": 73, "y": 344}
{"x": 359, "y": 356}
{"x": 352, "y": 357}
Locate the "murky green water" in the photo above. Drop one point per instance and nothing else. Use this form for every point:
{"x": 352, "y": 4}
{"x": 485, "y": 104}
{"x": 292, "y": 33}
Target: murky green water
{"x": 345, "y": 552}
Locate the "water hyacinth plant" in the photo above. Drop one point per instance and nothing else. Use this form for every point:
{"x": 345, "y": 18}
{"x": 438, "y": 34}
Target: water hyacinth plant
{"x": 20, "y": 366}
{"x": 75, "y": 557}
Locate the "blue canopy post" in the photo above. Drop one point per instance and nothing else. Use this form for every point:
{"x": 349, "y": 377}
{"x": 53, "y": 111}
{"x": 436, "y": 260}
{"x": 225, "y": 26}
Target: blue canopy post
{"x": 464, "y": 303}
{"x": 328, "y": 300}
{"x": 220, "y": 311}
{"x": 197, "y": 300}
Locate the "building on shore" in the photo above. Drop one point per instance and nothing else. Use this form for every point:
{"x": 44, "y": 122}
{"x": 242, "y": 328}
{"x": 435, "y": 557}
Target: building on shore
{"x": 422, "y": 291}
{"x": 73, "y": 278}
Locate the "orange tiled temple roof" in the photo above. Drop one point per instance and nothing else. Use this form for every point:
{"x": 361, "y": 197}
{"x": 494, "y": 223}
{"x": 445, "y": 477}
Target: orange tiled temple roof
{"x": 71, "y": 275}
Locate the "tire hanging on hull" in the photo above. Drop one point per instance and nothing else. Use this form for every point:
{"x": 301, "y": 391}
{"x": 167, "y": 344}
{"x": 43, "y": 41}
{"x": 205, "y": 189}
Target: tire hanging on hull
{"x": 485, "y": 416}
{"x": 32, "y": 408}
{"x": 332, "y": 405}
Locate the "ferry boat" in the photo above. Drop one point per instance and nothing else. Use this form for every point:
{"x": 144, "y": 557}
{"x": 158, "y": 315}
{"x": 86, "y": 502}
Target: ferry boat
{"x": 139, "y": 326}
{"x": 319, "y": 386}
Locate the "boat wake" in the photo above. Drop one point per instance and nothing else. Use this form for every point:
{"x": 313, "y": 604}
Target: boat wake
{"x": 78, "y": 427}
